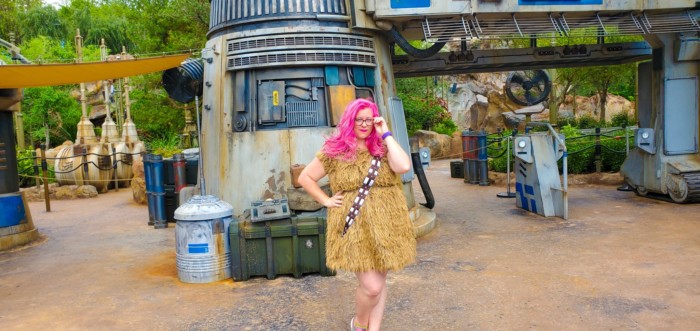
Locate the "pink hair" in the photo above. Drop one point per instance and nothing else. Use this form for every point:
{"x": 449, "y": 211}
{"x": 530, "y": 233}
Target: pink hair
{"x": 342, "y": 144}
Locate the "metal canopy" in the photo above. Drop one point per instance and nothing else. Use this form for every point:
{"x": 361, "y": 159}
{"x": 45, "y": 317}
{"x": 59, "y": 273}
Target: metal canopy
{"x": 560, "y": 25}
{"x": 33, "y": 75}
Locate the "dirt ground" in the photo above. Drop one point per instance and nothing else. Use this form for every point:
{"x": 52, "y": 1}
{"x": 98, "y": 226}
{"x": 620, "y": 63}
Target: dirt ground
{"x": 619, "y": 262}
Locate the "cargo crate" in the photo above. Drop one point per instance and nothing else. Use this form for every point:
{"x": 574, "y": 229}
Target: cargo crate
{"x": 457, "y": 169}
{"x": 295, "y": 246}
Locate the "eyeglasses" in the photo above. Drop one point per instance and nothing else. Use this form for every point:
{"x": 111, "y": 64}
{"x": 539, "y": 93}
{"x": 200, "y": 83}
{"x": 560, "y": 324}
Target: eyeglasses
{"x": 366, "y": 121}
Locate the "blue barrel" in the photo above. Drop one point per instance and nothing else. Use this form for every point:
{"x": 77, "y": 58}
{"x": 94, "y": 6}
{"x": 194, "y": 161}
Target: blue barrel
{"x": 158, "y": 186}
{"x": 483, "y": 158}
{"x": 203, "y": 252}
{"x": 12, "y": 210}
{"x": 148, "y": 174}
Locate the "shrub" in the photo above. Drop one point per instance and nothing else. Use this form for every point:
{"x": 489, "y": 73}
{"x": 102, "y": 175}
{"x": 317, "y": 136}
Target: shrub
{"x": 587, "y": 122}
{"x": 622, "y": 119}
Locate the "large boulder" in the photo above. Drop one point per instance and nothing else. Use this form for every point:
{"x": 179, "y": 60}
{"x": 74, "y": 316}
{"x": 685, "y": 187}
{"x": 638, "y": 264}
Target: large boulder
{"x": 85, "y": 191}
{"x": 137, "y": 168}
{"x": 440, "y": 145}
{"x": 66, "y": 192}
{"x": 138, "y": 189}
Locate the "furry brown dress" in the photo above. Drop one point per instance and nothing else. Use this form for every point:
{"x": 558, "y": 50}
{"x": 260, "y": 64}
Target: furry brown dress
{"x": 382, "y": 237}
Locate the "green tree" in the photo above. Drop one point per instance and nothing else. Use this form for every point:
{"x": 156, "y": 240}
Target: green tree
{"x": 50, "y": 109}
{"x": 603, "y": 77}
{"x": 43, "y": 21}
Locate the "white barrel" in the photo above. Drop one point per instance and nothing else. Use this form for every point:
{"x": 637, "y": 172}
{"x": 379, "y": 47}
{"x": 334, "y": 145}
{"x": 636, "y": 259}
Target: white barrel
{"x": 125, "y": 155}
{"x": 203, "y": 254}
{"x": 70, "y": 171}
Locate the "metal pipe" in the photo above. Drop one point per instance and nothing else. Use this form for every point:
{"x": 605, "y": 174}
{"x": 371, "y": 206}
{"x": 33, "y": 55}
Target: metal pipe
{"x": 160, "y": 221}
{"x": 199, "y": 141}
{"x": 423, "y": 180}
{"x": 179, "y": 172}
{"x": 148, "y": 174}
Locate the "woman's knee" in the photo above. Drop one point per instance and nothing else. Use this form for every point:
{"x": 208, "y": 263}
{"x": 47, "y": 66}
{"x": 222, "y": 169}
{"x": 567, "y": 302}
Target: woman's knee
{"x": 372, "y": 289}
{"x": 373, "y": 285}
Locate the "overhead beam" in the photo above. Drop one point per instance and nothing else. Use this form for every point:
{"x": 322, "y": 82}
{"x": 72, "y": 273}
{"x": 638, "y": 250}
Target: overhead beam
{"x": 511, "y": 59}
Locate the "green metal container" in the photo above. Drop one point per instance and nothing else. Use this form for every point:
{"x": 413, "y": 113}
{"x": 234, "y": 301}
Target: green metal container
{"x": 293, "y": 246}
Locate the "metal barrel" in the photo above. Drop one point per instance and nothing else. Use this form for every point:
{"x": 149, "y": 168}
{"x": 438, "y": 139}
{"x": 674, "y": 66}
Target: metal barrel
{"x": 465, "y": 149}
{"x": 158, "y": 186}
{"x": 473, "y": 151}
{"x": 148, "y": 174}
{"x": 179, "y": 172}
{"x": 203, "y": 252}
{"x": 483, "y": 159}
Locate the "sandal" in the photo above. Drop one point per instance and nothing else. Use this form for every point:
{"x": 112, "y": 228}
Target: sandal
{"x": 354, "y": 327}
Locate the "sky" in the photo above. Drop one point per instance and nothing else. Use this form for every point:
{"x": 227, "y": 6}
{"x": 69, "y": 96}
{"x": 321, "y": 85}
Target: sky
{"x": 54, "y": 3}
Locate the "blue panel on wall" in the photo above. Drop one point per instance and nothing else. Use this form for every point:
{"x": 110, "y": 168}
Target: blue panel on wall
{"x": 332, "y": 75}
{"x": 369, "y": 77}
{"x": 358, "y": 76}
{"x": 410, "y": 3}
{"x": 560, "y": 2}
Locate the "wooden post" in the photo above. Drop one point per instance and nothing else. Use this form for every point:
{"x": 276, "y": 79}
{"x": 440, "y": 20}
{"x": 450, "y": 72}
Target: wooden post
{"x": 598, "y": 159}
{"x": 44, "y": 170}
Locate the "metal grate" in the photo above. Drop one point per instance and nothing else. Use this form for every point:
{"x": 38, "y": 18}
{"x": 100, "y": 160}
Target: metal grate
{"x": 600, "y": 26}
{"x": 671, "y": 22}
{"x": 302, "y": 113}
{"x": 595, "y": 25}
{"x": 514, "y": 27}
{"x": 299, "y": 41}
{"x": 299, "y": 58}
{"x": 446, "y": 30}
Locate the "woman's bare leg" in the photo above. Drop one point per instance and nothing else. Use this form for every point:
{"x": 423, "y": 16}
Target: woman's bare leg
{"x": 375, "y": 317}
{"x": 370, "y": 298}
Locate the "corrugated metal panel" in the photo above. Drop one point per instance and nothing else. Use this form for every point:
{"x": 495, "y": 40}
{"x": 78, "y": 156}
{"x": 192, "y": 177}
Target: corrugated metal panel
{"x": 240, "y": 11}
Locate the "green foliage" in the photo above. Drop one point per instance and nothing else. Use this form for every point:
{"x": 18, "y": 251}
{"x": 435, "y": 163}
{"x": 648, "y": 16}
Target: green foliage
{"x": 52, "y": 106}
{"x": 446, "y": 126}
{"x": 497, "y": 154}
{"x": 25, "y": 168}
{"x": 622, "y": 119}
{"x": 581, "y": 152}
{"x": 587, "y": 122}
{"x": 43, "y": 21}
{"x": 165, "y": 146}
{"x": 155, "y": 115}
{"x": 422, "y": 109}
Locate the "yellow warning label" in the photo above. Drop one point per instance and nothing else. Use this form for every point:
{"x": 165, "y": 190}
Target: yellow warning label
{"x": 275, "y": 98}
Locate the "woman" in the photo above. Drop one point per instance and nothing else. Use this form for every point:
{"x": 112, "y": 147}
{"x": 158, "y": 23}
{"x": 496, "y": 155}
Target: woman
{"x": 381, "y": 238}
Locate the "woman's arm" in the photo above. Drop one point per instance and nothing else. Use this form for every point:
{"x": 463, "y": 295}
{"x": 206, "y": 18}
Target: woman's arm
{"x": 309, "y": 178}
{"x": 399, "y": 161}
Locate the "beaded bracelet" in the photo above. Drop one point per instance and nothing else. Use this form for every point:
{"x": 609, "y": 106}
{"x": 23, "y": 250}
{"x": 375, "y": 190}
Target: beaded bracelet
{"x": 386, "y": 134}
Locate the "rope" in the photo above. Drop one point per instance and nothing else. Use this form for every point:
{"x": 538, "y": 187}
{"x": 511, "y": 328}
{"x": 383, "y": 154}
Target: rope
{"x": 84, "y": 180}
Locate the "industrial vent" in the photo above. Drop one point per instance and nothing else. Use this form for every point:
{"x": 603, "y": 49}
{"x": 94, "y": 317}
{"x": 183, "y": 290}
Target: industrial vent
{"x": 300, "y": 58}
{"x": 596, "y": 25}
{"x": 303, "y": 113}
{"x": 301, "y": 41}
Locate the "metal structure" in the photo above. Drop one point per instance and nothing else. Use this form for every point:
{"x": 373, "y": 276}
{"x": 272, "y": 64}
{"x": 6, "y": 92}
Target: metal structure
{"x": 277, "y": 75}
{"x": 16, "y": 225}
{"x": 538, "y": 188}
